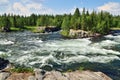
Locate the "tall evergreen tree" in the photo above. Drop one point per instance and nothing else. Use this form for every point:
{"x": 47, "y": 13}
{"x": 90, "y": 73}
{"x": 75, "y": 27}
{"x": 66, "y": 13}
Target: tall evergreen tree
{"x": 76, "y": 13}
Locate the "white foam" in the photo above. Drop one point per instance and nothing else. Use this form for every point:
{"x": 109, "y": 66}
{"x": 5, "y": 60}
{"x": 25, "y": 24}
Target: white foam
{"x": 75, "y": 59}
{"x": 105, "y": 43}
{"x": 6, "y": 42}
{"x": 24, "y": 59}
{"x": 115, "y": 38}
{"x": 48, "y": 59}
{"x": 35, "y": 41}
{"x": 73, "y": 51}
{"x": 1, "y": 53}
{"x": 103, "y": 59}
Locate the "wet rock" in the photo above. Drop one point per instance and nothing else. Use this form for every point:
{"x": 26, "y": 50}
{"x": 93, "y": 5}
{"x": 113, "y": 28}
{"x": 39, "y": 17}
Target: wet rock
{"x": 4, "y": 75}
{"x": 44, "y": 29}
{"x": 51, "y": 29}
{"x": 3, "y": 63}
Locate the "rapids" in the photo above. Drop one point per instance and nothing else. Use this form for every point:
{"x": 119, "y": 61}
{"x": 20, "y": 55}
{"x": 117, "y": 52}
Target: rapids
{"x": 52, "y": 51}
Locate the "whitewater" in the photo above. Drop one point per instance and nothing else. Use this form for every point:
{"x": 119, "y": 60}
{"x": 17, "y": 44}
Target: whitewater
{"x": 40, "y": 50}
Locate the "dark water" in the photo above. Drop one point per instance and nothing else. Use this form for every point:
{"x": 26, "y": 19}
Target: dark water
{"x": 51, "y": 51}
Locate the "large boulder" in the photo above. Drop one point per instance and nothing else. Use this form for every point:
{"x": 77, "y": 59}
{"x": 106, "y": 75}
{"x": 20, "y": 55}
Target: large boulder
{"x": 76, "y": 75}
{"x": 55, "y": 75}
{"x": 82, "y": 34}
{"x": 86, "y": 75}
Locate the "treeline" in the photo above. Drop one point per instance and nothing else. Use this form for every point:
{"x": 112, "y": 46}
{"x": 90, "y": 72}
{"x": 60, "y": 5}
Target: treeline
{"x": 100, "y": 22}
{"x": 16, "y": 21}
{"x": 97, "y": 22}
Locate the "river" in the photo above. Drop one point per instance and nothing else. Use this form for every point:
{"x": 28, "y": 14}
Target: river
{"x": 51, "y": 51}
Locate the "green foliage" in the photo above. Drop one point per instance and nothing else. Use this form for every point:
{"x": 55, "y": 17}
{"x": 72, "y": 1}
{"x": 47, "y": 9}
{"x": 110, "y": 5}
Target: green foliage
{"x": 100, "y": 22}
{"x": 65, "y": 33}
{"x": 66, "y": 24}
{"x": 22, "y": 70}
{"x": 69, "y": 70}
{"x": 45, "y": 20}
{"x": 14, "y": 29}
{"x": 76, "y": 13}
{"x": 81, "y": 68}
{"x": 5, "y": 23}
{"x": 58, "y": 21}
{"x": 31, "y": 28}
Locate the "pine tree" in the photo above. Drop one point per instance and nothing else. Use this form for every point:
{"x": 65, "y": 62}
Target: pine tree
{"x": 76, "y": 13}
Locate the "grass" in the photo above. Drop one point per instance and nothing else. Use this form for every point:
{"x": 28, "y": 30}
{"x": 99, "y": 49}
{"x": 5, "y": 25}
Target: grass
{"x": 14, "y": 29}
{"x": 33, "y": 29}
{"x": 22, "y": 70}
{"x": 116, "y": 28}
{"x": 81, "y": 68}
{"x": 30, "y": 28}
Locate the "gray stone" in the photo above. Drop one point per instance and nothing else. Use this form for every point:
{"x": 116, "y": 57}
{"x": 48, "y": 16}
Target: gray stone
{"x": 86, "y": 75}
{"x": 55, "y": 75}
{"x": 4, "y": 75}
{"x": 82, "y": 34}
{"x": 31, "y": 78}
{"x": 38, "y": 74}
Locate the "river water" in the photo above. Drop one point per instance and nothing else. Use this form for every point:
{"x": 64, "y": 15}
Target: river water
{"x": 51, "y": 51}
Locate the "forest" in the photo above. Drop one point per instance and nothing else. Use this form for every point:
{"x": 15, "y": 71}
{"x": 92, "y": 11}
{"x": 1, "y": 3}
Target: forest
{"x": 96, "y": 22}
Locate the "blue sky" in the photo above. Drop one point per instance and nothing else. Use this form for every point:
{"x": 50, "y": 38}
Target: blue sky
{"x": 27, "y": 7}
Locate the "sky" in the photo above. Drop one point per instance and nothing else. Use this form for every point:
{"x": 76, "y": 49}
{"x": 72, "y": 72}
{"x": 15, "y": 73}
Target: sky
{"x": 27, "y": 7}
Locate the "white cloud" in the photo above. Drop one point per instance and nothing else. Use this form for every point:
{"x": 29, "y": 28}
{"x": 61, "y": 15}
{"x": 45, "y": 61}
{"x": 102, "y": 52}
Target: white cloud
{"x": 4, "y": 1}
{"x": 112, "y": 7}
{"x": 27, "y": 9}
{"x": 20, "y": 8}
{"x": 35, "y": 6}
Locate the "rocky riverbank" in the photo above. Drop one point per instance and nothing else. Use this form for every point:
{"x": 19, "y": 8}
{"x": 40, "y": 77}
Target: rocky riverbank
{"x": 39, "y": 74}
{"x": 54, "y": 75}
{"x": 82, "y": 34}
